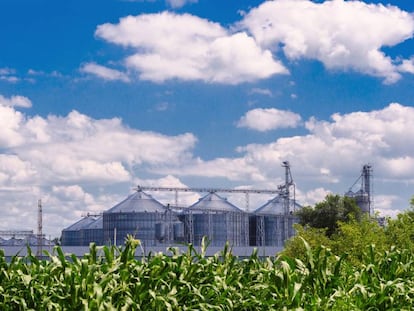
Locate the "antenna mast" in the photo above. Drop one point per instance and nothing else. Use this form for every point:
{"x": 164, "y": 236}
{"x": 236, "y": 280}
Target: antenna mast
{"x": 39, "y": 228}
{"x": 289, "y": 198}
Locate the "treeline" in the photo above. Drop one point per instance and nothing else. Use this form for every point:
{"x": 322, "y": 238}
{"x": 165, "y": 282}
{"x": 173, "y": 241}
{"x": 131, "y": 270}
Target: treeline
{"x": 338, "y": 224}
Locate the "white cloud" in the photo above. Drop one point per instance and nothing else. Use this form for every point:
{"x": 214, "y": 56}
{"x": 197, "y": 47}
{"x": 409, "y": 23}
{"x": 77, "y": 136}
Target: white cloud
{"x": 11, "y": 79}
{"x": 383, "y": 205}
{"x": 7, "y": 71}
{"x": 73, "y": 193}
{"x": 15, "y": 101}
{"x": 407, "y": 66}
{"x": 234, "y": 169}
{"x": 341, "y": 34}
{"x": 312, "y": 197}
{"x": 260, "y": 91}
{"x": 75, "y": 163}
{"x": 268, "y": 119}
{"x": 175, "y": 4}
{"x": 329, "y": 158}
{"x": 77, "y": 146}
{"x": 35, "y": 73}
{"x": 14, "y": 170}
{"x": 8, "y": 75}
{"x": 346, "y": 141}
{"x": 184, "y": 199}
{"x": 179, "y": 3}
{"x": 10, "y": 119}
{"x": 104, "y": 72}
{"x": 185, "y": 47}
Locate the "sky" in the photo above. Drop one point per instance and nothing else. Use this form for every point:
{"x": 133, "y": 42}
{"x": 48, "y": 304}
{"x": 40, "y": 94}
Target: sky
{"x": 97, "y": 97}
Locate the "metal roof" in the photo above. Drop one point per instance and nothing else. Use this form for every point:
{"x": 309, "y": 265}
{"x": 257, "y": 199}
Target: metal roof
{"x": 214, "y": 202}
{"x": 97, "y": 224}
{"x": 81, "y": 224}
{"x": 138, "y": 202}
{"x": 274, "y": 206}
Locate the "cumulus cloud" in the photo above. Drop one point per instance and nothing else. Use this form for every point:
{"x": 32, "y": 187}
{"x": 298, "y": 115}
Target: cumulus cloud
{"x": 336, "y": 146}
{"x": 73, "y": 193}
{"x": 79, "y": 164}
{"x": 10, "y": 120}
{"x": 235, "y": 169}
{"x": 74, "y": 162}
{"x": 104, "y": 72}
{"x": 79, "y": 147}
{"x": 312, "y": 196}
{"x": 332, "y": 150}
{"x": 383, "y": 204}
{"x": 268, "y": 119}
{"x": 341, "y": 34}
{"x": 407, "y": 66}
{"x": 186, "y": 47}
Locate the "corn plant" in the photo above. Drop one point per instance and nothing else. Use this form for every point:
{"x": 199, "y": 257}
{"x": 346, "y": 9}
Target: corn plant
{"x": 111, "y": 278}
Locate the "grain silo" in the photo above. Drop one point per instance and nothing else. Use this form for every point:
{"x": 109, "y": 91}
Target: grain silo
{"x": 272, "y": 223}
{"x": 363, "y": 197}
{"x": 93, "y": 232}
{"x": 141, "y": 216}
{"x": 218, "y": 220}
{"x": 71, "y": 236}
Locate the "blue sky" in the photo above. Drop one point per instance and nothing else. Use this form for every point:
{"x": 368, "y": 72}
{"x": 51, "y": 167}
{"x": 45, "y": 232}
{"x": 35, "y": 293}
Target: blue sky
{"x": 99, "y": 96}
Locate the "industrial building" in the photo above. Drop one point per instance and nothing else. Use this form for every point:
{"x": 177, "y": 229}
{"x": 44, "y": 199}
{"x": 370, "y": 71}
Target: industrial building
{"x": 363, "y": 196}
{"x": 212, "y": 216}
{"x": 74, "y": 234}
{"x": 139, "y": 215}
{"x": 218, "y": 220}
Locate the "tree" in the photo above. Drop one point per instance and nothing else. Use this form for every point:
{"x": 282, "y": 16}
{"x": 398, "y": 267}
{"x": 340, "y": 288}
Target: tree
{"x": 354, "y": 237}
{"x": 327, "y": 213}
{"x": 412, "y": 202}
{"x": 400, "y": 231}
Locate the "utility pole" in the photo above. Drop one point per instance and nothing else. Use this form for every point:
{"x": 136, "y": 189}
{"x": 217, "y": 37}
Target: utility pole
{"x": 39, "y": 228}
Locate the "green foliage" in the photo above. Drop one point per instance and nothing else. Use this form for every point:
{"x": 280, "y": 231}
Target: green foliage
{"x": 412, "y": 203}
{"x": 400, "y": 231}
{"x": 359, "y": 266}
{"x": 109, "y": 278}
{"x": 295, "y": 248}
{"x": 329, "y": 212}
{"x": 353, "y": 238}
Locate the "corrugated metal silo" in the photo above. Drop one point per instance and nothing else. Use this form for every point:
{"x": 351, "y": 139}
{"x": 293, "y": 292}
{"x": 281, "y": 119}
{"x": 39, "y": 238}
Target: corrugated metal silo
{"x": 217, "y": 219}
{"x": 272, "y": 223}
{"x": 71, "y": 236}
{"x": 362, "y": 199}
{"x": 139, "y": 215}
{"x": 93, "y": 233}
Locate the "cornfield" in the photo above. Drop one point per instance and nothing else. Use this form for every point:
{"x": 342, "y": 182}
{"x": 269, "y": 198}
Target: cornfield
{"x": 110, "y": 278}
